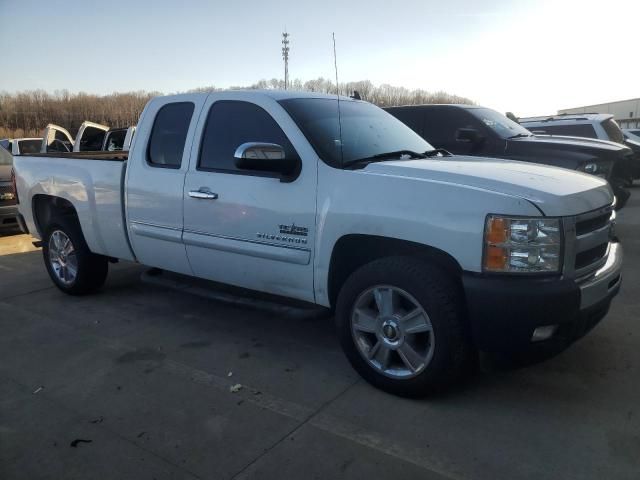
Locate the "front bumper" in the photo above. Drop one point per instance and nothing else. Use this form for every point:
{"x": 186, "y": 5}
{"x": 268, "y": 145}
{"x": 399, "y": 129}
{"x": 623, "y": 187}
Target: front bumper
{"x": 9, "y": 216}
{"x": 504, "y": 312}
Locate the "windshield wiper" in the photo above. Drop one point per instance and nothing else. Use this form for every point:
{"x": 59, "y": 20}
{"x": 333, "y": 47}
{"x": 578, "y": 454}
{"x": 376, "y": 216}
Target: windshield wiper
{"x": 519, "y": 135}
{"x": 438, "y": 152}
{"x": 395, "y": 155}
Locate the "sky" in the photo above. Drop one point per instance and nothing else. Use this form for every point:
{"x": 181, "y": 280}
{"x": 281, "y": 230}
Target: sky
{"x": 529, "y": 57}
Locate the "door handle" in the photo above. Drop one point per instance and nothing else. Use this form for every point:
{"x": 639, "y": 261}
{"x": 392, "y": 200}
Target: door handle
{"x": 203, "y": 193}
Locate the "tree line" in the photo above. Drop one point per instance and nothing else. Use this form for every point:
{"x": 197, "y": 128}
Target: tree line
{"x": 25, "y": 114}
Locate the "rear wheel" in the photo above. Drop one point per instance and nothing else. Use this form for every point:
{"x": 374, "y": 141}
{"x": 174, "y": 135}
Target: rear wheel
{"x": 70, "y": 264}
{"x": 401, "y": 326}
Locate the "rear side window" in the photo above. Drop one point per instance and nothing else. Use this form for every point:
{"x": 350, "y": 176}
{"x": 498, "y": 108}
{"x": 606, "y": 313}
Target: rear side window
{"x": 229, "y": 125}
{"x": 583, "y": 130}
{"x": 168, "y": 135}
{"x": 412, "y": 117}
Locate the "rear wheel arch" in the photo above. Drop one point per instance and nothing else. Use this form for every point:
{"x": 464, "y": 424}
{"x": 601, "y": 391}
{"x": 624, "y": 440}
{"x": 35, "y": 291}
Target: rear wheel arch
{"x": 46, "y": 208}
{"x": 353, "y": 251}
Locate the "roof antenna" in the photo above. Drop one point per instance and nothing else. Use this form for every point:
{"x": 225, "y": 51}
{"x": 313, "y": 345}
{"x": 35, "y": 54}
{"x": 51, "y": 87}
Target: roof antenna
{"x": 335, "y": 64}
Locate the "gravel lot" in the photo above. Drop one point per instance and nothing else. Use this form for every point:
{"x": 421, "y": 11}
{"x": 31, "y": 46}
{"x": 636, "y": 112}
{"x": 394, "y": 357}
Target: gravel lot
{"x": 134, "y": 382}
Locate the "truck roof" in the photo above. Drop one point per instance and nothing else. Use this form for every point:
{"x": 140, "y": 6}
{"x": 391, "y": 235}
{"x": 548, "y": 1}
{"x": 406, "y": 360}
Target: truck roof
{"x": 428, "y": 105}
{"x": 571, "y": 117}
{"x": 275, "y": 94}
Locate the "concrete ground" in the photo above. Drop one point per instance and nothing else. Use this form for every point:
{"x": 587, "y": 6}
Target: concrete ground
{"x": 134, "y": 382}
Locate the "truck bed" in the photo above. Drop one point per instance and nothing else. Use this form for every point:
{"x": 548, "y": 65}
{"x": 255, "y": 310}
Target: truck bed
{"x": 119, "y": 156}
{"x": 94, "y": 188}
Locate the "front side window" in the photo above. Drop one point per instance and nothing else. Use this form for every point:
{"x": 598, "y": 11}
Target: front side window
{"x": 500, "y": 124}
{"x": 169, "y": 133}
{"x": 59, "y": 146}
{"x": 92, "y": 139}
{"x": 361, "y": 131}
{"x": 230, "y": 124}
{"x": 442, "y": 124}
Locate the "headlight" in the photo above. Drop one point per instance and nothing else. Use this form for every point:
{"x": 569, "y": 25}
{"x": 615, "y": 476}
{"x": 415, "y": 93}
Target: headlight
{"x": 522, "y": 245}
{"x": 600, "y": 169}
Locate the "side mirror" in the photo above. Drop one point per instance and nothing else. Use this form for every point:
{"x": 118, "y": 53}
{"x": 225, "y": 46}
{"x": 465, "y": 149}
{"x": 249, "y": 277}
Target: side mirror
{"x": 267, "y": 157}
{"x": 468, "y": 135}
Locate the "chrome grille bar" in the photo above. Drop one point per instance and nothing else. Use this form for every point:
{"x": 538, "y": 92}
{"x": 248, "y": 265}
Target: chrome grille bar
{"x": 594, "y": 232}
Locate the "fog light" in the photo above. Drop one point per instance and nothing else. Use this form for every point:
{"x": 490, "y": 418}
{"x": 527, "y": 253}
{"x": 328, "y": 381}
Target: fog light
{"x": 543, "y": 333}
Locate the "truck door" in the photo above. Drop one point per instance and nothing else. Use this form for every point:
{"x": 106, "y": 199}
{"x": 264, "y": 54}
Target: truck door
{"x": 56, "y": 139}
{"x": 249, "y": 228}
{"x": 90, "y": 137}
{"x": 154, "y": 181}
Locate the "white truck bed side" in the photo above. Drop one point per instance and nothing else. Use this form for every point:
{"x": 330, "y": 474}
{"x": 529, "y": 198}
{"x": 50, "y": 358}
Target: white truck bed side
{"x": 94, "y": 187}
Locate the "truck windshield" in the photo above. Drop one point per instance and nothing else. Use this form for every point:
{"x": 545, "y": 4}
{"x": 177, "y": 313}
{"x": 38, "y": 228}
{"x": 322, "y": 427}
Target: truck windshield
{"x": 500, "y": 124}
{"x": 367, "y": 130}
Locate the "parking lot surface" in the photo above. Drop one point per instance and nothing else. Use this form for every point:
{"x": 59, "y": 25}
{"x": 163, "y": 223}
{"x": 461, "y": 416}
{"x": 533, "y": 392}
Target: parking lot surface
{"x": 136, "y": 382}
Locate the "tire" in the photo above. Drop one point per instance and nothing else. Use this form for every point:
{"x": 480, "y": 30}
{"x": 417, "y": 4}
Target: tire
{"x": 90, "y": 269}
{"x": 445, "y": 352}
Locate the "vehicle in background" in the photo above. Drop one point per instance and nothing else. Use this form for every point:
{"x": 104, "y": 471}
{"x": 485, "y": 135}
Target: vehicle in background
{"x": 426, "y": 257}
{"x": 8, "y": 201}
{"x": 589, "y": 125}
{"x": 480, "y": 131}
{"x": 118, "y": 139}
{"x": 632, "y": 133}
{"x": 21, "y": 146}
{"x": 632, "y": 139}
{"x": 56, "y": 139}
{"x": 90, "y": 137}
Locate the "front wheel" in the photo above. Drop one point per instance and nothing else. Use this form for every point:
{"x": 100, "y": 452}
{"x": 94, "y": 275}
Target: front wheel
{"x": 402, "y": 327}
{"x": 70, "y": 263}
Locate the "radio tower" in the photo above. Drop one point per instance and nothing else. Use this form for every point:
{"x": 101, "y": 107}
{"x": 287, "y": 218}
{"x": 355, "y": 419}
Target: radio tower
{"x": 285, "y": 57}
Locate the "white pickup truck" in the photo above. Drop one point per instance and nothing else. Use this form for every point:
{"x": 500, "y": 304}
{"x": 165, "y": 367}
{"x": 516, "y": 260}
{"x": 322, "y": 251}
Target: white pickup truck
{"x": 425, "y": 257}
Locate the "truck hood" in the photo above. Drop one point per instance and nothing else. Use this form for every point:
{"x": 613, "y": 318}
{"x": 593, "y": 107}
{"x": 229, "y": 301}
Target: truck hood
{"x": 555, "y": 191}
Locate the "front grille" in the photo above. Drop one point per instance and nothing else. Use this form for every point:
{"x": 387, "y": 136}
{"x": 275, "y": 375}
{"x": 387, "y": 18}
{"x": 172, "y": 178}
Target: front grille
{"x": 586, "y": 258}
{"x": 585, "y": 226}
{"x": 587, "y": 242}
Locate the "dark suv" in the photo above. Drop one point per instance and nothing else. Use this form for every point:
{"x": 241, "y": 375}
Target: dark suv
{"x": 589, "y": 125}
{"x": 473, "y": 130}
